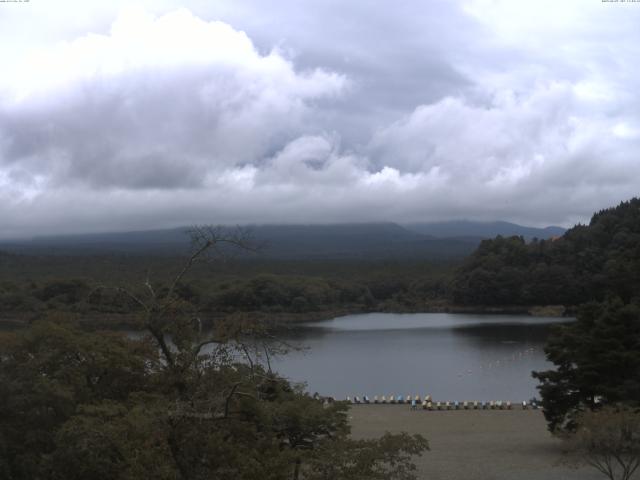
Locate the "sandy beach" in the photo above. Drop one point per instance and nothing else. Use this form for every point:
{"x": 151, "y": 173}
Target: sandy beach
{"x": 475, "y": 444}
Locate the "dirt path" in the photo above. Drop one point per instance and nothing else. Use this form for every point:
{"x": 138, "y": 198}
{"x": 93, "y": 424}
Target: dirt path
{"x": 475, "y": 444}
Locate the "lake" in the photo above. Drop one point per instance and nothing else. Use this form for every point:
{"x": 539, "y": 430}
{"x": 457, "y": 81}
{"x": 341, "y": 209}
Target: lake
{"x": 448, "y": 356}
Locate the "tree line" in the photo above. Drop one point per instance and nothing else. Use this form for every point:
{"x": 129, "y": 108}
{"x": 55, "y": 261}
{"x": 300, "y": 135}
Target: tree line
{"x": 296, "y": 288}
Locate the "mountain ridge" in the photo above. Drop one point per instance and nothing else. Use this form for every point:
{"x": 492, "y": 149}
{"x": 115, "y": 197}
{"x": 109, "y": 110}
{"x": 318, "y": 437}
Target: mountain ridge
{"x": 335, "y": 241}
{"x": 471, "y": 228}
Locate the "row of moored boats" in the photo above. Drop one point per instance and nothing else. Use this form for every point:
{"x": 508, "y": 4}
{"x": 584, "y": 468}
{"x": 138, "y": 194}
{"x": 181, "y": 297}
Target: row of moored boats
{"x": 426, "y": 403}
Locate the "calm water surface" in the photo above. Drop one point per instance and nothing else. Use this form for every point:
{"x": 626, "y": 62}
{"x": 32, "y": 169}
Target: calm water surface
{"x": 448, "y": 356}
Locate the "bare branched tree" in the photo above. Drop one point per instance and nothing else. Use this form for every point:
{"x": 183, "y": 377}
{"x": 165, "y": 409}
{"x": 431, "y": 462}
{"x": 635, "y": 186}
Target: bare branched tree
{"x": 164, "y": 311}
{"x": 177, "y": 328}
{"x": 609, "y": 441}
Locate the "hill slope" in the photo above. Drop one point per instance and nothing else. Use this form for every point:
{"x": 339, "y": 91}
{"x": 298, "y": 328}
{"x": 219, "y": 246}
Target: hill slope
{"x": 587, "y": 263}
{"x": 341, "y": 241}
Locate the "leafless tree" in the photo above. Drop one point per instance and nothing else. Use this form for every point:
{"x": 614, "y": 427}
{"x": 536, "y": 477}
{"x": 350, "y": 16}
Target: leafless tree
{"x": 609, "y": 440}
{"x": 178, "y": 330}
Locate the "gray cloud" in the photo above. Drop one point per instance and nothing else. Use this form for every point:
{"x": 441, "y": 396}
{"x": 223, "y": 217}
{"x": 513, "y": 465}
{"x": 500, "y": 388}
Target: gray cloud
{"x": 321, "y": 112}
{"x": 165, "y": 124}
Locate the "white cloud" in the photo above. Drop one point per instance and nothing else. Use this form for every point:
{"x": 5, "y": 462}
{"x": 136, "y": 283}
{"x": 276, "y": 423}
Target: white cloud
{"x": 520, "y": 152}
{"x": 533, "y": 21}
{"x": 159, "y": 102}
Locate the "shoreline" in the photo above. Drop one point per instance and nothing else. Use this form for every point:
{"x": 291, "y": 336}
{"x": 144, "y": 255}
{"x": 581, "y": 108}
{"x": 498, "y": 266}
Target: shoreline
{"x": 126, "y": 321}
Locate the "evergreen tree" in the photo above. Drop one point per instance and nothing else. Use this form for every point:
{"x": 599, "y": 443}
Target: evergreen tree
{"x": 597, "y": 360}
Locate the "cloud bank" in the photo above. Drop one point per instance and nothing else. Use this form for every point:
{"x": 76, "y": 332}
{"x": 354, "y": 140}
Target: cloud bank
{"x": 173, "y": 118}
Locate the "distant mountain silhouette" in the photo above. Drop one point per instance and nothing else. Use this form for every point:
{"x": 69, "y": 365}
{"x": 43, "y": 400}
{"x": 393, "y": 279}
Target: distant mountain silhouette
{"x": 468, "y": 228}
{"x": 368, "y": 240}
{"x": 338, "y": 241}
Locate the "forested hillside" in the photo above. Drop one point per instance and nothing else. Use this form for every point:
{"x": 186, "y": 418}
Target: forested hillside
{"x": 589, "y": 262}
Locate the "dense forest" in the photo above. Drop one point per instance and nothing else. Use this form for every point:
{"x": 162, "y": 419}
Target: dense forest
{"x": 31, "y": 286}
{"x": 589, "y": 262}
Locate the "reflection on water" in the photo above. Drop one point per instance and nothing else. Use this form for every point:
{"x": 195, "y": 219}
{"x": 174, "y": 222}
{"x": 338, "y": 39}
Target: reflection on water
{"x": 449, "y": 356}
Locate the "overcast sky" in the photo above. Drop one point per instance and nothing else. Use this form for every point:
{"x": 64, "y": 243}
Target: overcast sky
{"x": 133, "y": 115}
